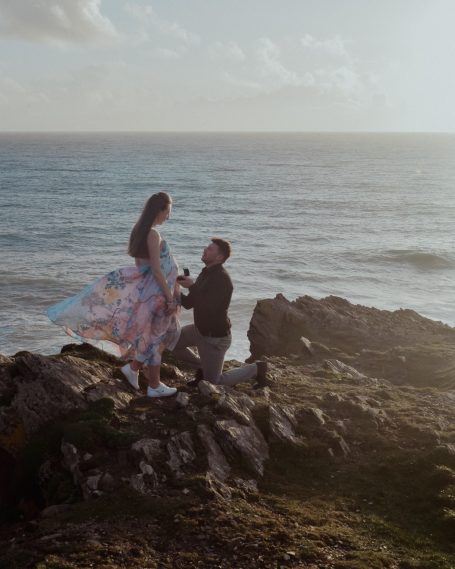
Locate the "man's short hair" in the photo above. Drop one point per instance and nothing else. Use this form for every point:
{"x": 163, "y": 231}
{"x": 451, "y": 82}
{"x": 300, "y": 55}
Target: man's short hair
{"x": 224, "y": 246}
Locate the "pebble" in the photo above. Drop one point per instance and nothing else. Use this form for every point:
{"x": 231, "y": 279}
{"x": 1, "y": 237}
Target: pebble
{"x": 51, "y": 536}
{"x": 94, "y": 543}
{"x": 54, "y": 510}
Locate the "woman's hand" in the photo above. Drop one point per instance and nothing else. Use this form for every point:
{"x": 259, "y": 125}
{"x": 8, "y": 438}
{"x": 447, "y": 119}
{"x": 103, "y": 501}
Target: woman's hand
{"x": 171, "y": 306}
{"x": 153, "y": 246}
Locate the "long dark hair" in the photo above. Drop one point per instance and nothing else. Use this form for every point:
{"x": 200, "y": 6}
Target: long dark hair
{"x": 157, "y": 203}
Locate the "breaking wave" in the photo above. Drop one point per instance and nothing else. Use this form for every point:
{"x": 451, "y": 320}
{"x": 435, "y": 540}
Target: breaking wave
{"x": 422, "y": 260}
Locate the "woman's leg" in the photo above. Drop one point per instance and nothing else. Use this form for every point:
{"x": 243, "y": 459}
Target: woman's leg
{"x": 135, "y": 365}
{"x": 156, "y": 388}
{"x": 152, "y": 373}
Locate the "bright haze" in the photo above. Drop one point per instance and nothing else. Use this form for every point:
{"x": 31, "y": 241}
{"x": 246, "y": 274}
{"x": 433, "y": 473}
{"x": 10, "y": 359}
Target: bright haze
{"x": 227, "y": 65}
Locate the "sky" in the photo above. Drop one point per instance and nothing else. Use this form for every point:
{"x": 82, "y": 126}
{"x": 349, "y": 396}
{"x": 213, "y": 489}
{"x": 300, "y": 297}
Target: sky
{"x": 227, "y": 65}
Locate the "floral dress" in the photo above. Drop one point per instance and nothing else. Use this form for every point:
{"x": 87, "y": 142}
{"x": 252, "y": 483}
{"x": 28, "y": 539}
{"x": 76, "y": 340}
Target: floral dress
{"x": 124, "y": 312}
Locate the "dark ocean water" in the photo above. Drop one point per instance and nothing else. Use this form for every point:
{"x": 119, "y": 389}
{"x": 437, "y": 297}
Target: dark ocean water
{"x": 369, "y": 217}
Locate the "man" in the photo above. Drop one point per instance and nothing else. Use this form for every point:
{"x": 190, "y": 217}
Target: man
{"x": 209, "y": 297}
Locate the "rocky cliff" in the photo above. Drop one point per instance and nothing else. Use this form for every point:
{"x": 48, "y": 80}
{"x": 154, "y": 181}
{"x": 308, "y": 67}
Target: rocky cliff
{"x": 347, "y": 459}
{"x": 401, "y": 346}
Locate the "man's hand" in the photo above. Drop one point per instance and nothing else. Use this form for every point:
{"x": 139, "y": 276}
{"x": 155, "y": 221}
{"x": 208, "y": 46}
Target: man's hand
{"x": 186, "y": 282}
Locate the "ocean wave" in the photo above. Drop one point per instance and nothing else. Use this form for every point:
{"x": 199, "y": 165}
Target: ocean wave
{"x": 288, "y": 276}
{"x": 34, "y": 282}
{"x": 422, "y": 260}
{"x": 57, "y": 169}
{"x": 227, "y": 169}
{"x": 14, "y": 239}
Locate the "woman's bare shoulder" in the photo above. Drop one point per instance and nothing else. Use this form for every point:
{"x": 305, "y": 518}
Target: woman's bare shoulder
{"x": 153, "y": 235}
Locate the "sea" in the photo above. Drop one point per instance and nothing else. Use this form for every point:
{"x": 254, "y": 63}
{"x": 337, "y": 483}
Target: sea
{"x": 367, "y": 217}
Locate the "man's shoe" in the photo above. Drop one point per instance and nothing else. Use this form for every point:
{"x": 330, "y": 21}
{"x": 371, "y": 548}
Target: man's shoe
{"x": 198, "y": 376}
{"x": 131, "y": 375}
{"x": 161, "y": 391}
{"x": 261, "y": 376}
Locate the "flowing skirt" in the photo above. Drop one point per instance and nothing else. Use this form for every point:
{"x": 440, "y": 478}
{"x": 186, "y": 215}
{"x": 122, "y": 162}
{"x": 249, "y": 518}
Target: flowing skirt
{"x": 124, "y": 313}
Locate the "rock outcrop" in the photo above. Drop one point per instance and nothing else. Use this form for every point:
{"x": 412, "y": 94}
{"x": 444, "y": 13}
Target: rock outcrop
{"x": 330, "y": 465}
{"x": 40, "y": 389}
{"x": 401, "y": 346}
{"x": 218, "y": 432}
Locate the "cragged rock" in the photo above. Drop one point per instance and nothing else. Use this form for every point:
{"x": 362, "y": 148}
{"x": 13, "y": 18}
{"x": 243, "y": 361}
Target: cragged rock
{"x": 217, "y": 463}
{"x": 237, "y": 406}
{"x": 182, "y": 399}
{"x": 256, "y": 478}
{"x": 149, "y": 448}
{"x": 46, "y": 388}
{"x": 282, "y": 423}
{"x": 209, "y": 390}
{"x": 246, "y": 487}
{"x": 311, "y": 418}
{"x": 92, "y": 483}
{"x": 145, "y": 482}
{"x": 181, "y": 453}
{"x": 227, "y": 430}
{"x": 401, "y": 346}
{"x": 344, "y": 370}
{"x": 307, "y": 346}
{"x": 337, "y": 445}
{"x": 370, "y": 416}
{"x": 335, "y": 322}
{"x": 423, "y": 364}
{"x": 221, "y": 446}
{"x": 244, "y": 443}
{"x": 71, "y": 461}
{"x": 216, "y": 488}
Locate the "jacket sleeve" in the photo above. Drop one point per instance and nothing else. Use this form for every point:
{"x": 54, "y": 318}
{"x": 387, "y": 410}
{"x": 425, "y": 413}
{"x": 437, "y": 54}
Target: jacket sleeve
{"x": 187, "y": 300}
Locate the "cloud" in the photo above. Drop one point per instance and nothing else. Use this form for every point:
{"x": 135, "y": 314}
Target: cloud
{"x": 274, "y": 72}
{"x": 263, "y": 68}
{"x": 244, "y": 83}
{"x": 13, "y": 93}
{"x": 230, "y": 51}
{"x": 154, "y": 26}
{"x": 55, "y": 21}
{"x": 10, "y": 90}
{"x": 327, "y": 70}
{"x": 333, "y": 46}
{"x": 339, "y": 72}
{"x": 343, "y": 78}
{"x": 165, "y": 53}
{"x": 268, "y": 54}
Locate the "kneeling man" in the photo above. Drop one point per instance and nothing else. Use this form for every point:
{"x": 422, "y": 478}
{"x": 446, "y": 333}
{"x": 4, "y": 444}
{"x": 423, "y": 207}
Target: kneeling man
{"x": 209, "y": 297}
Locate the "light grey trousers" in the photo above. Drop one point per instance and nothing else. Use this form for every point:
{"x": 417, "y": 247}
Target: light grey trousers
{"x": 211, "y": 357}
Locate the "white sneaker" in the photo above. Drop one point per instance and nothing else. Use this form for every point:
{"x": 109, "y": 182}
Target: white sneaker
{"x": 161, "y": 391}
{"x": 132, "y": 376}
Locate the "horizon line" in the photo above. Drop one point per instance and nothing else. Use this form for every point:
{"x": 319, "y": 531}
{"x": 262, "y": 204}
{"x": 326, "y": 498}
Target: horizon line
{"x": 225, "y": 132}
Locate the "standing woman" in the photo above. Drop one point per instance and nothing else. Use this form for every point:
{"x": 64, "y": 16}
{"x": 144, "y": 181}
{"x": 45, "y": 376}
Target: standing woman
{"x": 132, "y": 310}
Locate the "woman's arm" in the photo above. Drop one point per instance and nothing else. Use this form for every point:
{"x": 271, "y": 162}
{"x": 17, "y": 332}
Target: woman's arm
{"x": 153, "y": 245}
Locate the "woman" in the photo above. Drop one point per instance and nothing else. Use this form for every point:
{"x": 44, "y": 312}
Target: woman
{"x": 133, "y": 310}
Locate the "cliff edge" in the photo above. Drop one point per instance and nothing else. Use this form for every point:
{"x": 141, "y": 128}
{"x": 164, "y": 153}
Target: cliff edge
{"x": 342, "y": 462}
